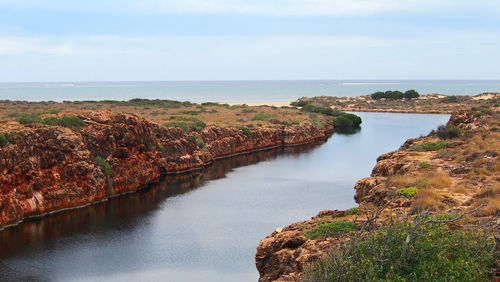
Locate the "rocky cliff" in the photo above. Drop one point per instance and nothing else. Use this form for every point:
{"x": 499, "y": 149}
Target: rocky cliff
{"x": 50, "y": 168}
{"x": 453, "y": 174}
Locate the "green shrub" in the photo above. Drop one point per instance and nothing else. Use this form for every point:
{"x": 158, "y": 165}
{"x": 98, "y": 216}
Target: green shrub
{"x": 261, "y": 116}
{"x": 3, "y": 140}
{"x": 191, "y": 139}
{"x": 483, "y": 111}
{"x": 448, "y": 131}
{"x": 407, "y": 192}
{"x": 200, "y": 143}
{"x": 395, "y": 95}
{"x": 451, "y": 99}
{"x": 186, "y": 123}
{"x": 249, "y": 111}
{"x": 334, "y": 229}
{"x": 346, "y": 121}
{"x": 28, "y": 118}
{"x": 351, "y": 211}
{"x": 161, "y": 148}
{"x": 424, "y": 165}
{"x": 429, "y": 146}
{"x": 435, "y": 252}
{"x": 103, "y": 164}
{"x": 245, "y": 130}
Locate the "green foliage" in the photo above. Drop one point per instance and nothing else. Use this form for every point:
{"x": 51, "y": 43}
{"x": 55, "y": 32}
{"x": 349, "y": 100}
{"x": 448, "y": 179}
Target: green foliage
{"x": 408, "y": 192}
{"x": 351, "y": 211}
{"x": 200, "y": 143}
{"x": 261, "y": 116}
{"x": 103, "y": 164}
{"x": 451, "y": 99}
{"x": 25, "y": 118}
{"x": 429, "y": 146}
{"x": 483, "y": 111}
{"x": 346, "y": 121}
{"x": 67, "y": 121}
{"x": 245, "y": 130}
{"x": 310, "y": 108}
{"x": 51, "y": 111}
{"x": 191, "y": 139}
{"x": 334, "y": 229}
{"x": 186, "y": 123}
{"x": 448, "y": 131}
{"x": 299, "y": 103}
{"x": 3, "y": 140}
{"x": 434, "y": 252}
{"x": 395, "y": 95}
{"x": 424, "y": 165}
{"x": 161, "y": 148}
{"x": 249, "y": 111}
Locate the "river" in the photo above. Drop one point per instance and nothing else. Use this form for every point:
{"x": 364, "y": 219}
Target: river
{"x": 204, "y": 225}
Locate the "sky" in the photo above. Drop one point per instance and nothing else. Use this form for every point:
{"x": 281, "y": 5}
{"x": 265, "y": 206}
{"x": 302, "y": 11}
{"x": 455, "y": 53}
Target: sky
{"x": 150, "y": 40}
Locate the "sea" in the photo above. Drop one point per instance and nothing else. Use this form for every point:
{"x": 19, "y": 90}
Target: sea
{"x": 232, "y": 91}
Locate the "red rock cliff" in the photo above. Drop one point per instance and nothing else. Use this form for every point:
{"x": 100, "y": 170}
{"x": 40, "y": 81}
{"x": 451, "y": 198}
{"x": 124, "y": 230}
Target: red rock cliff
{"x": 49, "y": 168}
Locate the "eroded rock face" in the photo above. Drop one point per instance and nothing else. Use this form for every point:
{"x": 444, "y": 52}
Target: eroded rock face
{"x": 285, "y": 253}
{"x": 48, "y": 168}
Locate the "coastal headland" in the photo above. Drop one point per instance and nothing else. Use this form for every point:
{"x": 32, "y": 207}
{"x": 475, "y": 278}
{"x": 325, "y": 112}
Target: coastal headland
{"x": 454, "y": 171}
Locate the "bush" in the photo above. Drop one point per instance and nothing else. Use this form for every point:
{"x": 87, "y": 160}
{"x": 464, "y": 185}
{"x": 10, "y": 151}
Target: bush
{"x": 3, "y": 140}
{"x": 245, "y": 130}
{"x": 351, "y": 211}
{"x": 407, "y": 192}
{"x": 434, "y": 253}
{"x": 161, "y": 148}
{"x": 310, "y": 108}
{"x": 429, "y": 146}
{"x": 334, "y": 229}
{"x": 104, "y": 165}
{"x": 448, "y": 131}
{"x": 28, "y": 118}
{"x": 261, "y": 116}
{"x": 347, "y": 121}
{"x": 451, "y": 99}
{"x": 200, "y": 143}
{"x": 186, "y": 123}
{"x": 424, "y": 165}
{"x": 191, "y": 139}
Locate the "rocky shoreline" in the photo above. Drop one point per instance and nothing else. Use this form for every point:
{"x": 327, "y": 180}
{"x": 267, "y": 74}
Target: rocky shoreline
{"x": 458, "y": 176}
{"x": 45, "y": 169}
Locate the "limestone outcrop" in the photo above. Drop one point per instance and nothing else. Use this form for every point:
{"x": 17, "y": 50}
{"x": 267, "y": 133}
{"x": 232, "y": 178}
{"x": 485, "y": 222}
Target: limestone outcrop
{"x": 49, "y": 168}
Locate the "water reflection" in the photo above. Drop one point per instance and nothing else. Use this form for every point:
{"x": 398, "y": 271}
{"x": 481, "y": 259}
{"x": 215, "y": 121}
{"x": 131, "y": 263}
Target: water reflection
{"x": 35, "y": 235}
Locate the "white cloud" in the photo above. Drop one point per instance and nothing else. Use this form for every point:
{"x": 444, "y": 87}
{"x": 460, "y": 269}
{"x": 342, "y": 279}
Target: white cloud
{"x": 265, "y": 7}
{"x": 460, "y": 55}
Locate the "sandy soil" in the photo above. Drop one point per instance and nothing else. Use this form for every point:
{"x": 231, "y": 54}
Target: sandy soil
{"x": 276, "y": 104}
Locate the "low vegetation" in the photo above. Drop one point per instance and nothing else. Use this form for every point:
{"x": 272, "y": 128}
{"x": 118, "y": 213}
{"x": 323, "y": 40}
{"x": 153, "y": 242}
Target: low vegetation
{"x": 428, "y": 146}
{"x": 395, "y": 95}
{"x": 103, "y": 164}
{"x": 407, "y": 192}
{"x": 409, "y": 251}
{"x": 335, "y": 229}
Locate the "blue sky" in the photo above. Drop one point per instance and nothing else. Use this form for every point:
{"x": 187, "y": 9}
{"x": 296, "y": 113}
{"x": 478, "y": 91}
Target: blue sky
{"x": 92, "y": 40}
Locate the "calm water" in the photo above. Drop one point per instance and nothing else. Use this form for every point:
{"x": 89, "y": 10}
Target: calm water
{"x": 204, "y": 225}
{"x": 232, "y": 91}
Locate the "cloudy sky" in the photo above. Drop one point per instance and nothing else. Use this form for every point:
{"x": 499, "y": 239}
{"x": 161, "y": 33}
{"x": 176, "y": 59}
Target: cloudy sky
{"x": 92, "y": 40}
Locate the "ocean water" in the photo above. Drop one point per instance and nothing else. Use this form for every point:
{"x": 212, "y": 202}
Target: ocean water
{"x": 233, "y": 91}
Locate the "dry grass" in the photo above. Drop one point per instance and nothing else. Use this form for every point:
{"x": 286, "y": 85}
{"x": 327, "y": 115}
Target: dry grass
{"x": 402, "y": 180}
{"x": 217, "y": 115}
{"x": 437, "y": 180}
{"x": 426, "y": 199}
